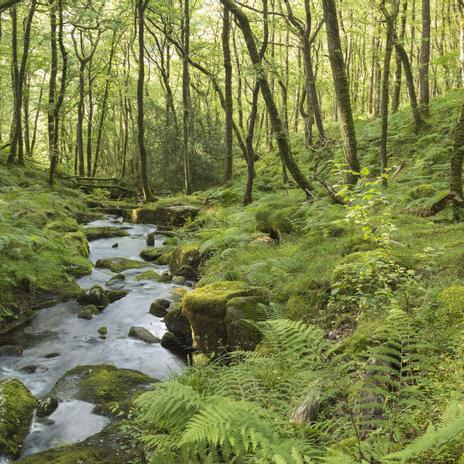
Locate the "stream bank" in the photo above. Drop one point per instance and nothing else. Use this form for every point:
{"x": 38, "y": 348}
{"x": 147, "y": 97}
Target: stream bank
{"x": 56, "y": 340}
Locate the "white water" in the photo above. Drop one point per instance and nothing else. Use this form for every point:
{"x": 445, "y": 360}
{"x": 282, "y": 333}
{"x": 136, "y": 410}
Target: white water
{"x": 58, "y": 330}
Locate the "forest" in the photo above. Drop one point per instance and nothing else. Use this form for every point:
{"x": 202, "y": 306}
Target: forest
{"x": 231, "y": 231}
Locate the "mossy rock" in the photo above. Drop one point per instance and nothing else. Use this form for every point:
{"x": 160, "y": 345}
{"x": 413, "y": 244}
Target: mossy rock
{"x": 149, "y": 275}
{"x": 175, "y": 215}
{"x": 422, "y": 191}
{"x": 96, "y": 295}
{"x": 17, "y": 406}
{"x": 151, "y": 254}
{"x": 107, "y": 447}
{"x": 115, "y": 295}
{"x": 276, "y": 218}
{"x": 205, "y": 309}
{"x": 159, "y": 307}
{"x": 241, "y": 334}
{"x": 95, "y": 233}
{"x": 119, "y": 264}
{"x": 185, "y": 260}
{"x": 83, "y": 217}
{"x": 178, "y": 325}
{"x": 104, "y": 385}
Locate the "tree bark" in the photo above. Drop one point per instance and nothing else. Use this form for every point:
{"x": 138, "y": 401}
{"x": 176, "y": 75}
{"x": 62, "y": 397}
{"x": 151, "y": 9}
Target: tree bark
{"x": 424, "y": 59}
{"x": 229, "y": 108}
{"x": 456, "y": 160}
{"x": 274, "y": 116}
{"x": 147, "y": 193}
{"x": 342, "y": 91}
{"x": 186, "y": 95}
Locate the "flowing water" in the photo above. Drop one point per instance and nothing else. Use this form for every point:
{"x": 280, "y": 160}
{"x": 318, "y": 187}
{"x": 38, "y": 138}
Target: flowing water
{"x": 56, "y": 340}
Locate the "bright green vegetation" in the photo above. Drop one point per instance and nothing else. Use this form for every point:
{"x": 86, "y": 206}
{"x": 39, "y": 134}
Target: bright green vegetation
{"x": 110, "y": 388}
{"x": 361, "y": 353}
{"x": 119, "y": 264}
{"x": 42, "y": 248}
{"x": 16, "y": 408}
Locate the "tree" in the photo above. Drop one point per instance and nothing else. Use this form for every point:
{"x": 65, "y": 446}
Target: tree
{"x": 276, "y": 122}
{"x": 424, "y": 60}
{"x": 342, "y": 90}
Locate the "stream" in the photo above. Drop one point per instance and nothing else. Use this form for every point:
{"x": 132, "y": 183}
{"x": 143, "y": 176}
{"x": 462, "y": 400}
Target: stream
{"x": 56, "y": 340}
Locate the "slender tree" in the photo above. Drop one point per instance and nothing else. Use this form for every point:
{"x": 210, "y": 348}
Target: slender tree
{"x": 342, "y": 90}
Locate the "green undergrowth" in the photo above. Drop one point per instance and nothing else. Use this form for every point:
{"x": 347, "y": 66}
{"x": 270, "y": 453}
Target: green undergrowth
{"x": 42, "y": 248}
{"x": 362, "y": 357}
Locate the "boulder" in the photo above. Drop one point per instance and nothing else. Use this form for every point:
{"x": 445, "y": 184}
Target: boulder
{"x": 179, "y": 280}
{"x": 149, "y": 275}
{"x": 47, "y": 406}
{"x": 159, "y": 307}
{"x": 103, "y": 331}
{"x": 94, "y": 296}
{"x": 104, "y": 385}
{"x": 178, "y": 293}
{"x": 205, "y": 309}
{"x": 173, "y": 344}
{"x": 115, "y": 295}
{"x": 143, "y": 334}
{"x": 33, "y": 368}
{"x": 240, "y": 333}
{"x": 88, "y": 312}
{"x": 52, "y": 355}
{"x": 185, "y": 260}
{"x": 276, "y": 218}
{"x": 151, "y": 239}
{"x": 11, "y": 350}
{"x": 175, "y": 215}
{"x": 151, "y": 254}
{"x": 178, "y": 325}
{"x": 119, "y": 264}
{"x": 95, "y": 233}
{"x": 17, "y": 406}
{"x": 166, "y": 276}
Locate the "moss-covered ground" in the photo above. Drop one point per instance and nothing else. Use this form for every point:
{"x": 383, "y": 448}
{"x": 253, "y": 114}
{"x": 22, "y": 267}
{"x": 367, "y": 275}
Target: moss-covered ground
{"x": 42, "y": 247}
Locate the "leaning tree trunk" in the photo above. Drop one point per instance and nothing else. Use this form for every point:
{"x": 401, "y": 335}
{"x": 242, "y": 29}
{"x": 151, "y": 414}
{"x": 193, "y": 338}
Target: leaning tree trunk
{"x": 342, "y": 90}
{"x": 278, "y": 129}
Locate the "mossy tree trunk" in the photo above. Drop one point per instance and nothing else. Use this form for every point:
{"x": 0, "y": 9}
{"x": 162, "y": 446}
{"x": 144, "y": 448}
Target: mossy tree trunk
{"x": 342, "y": 90}
{"x": 274, "y": 117}
{"x": 424, "y": 58}
{"x": 229, "y": 106}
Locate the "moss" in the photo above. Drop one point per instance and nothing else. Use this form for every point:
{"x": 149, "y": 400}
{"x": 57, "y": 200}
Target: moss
{"x": 79, "y": 241}
{"x": 151, "y": 254}
{"x": 240, "y": 333}
{"x": 63, "y": 225}
{"x": 276, "y": 218}
{"x": 111, "y": 446}
{"x": 105, "y": 385}
{"x": 95, "y": 233}
{"x": 149, "y": 275}
{"x": 119, "y": 264}
{"x": 205, "y": 309}
{"x": 173, "y": 215}
{"x": 422, "y": 191}
{"x": 452, "y": 299}
{"x": 16, "y": 408}
{"x": 185, "y": 260}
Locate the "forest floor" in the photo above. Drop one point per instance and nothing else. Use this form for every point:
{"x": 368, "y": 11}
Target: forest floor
{"x": 344, "y": 269}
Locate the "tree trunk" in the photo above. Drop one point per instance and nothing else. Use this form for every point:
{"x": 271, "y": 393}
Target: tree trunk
{"x": 147, "y": 193}
{"x": 397, "y": 88}
{"x": 186, "y": 95}
{"x": 342, "y": 92}
{"x": 384, "y": 103}
{"x": 274, "y": 116}
{"x": 424, "y": 60}
{"x": 52, "y": 92}
{"x": 104, "y": 104}
{"x": 228, "y": 95}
